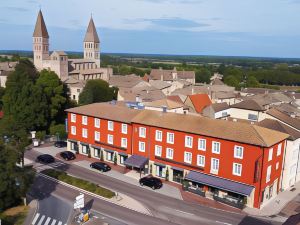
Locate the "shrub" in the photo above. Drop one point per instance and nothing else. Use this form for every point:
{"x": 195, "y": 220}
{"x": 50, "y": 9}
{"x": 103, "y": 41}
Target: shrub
{"x": 59, "y": 130}
{"x": 83, "y": 184}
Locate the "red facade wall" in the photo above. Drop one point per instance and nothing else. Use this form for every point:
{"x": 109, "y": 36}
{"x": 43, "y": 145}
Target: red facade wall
{"x": 117, "y": 133}
{"x": 252, "y": 155}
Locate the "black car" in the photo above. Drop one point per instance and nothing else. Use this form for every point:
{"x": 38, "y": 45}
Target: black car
{"x": 100, "y": 166}
{"x": 151, "y": 181}
{"x": 67, "y": 155}
{"x": 60, "y": 144}
{"x": 45, "y": 158}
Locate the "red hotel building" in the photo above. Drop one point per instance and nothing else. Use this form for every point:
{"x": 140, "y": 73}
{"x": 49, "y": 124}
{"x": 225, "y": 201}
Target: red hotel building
{"x": 232, "y": 162}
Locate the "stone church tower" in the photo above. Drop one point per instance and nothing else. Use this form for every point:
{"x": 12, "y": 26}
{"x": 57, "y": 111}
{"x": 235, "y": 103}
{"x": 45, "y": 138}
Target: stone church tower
{"x": 40, "y": 42}
{"x": 91, "y": 44}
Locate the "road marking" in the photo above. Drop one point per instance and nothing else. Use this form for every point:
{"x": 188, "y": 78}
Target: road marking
{"x": 35, "y": 218}
{"x": 184, "y": 212}
{"x": 41, "y": 220}
{"x": 53, "y": 222}
{"x": 47, "y": 221}
{"x": 59, "y": 223}
{"x": 223, "y": 223}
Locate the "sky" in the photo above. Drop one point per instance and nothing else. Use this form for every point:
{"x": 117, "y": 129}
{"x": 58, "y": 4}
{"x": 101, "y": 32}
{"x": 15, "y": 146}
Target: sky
{"x": 264, "y": 28}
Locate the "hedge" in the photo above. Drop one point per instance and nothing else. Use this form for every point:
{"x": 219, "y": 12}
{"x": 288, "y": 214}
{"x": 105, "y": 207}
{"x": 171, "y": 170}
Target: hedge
{"x": 80, "y": 183}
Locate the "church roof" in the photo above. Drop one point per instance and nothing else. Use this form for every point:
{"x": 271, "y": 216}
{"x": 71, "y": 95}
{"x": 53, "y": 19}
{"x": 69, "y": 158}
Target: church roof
{"x": 40, "y": 29}
{"x": 91, "y": 33}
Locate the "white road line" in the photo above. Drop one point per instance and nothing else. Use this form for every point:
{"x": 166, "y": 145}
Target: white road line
{"x": 41, "y": 220}
{"x": 47, "y": 221}
{"x": 184, "y": 212}
{"x": 35, "y": 218}
{"x": 223, "y": 223}
{"x": 53, "y": 222}
{"x": 59, "y": 223}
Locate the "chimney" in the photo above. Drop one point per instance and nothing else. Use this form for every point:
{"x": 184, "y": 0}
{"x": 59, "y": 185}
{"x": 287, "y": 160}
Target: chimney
{"x": 137, "y": 98}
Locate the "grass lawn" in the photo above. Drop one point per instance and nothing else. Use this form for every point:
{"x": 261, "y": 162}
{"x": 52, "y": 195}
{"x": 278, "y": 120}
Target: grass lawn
{"x": 14, "y": 216}
{"x": 77, "y": 182}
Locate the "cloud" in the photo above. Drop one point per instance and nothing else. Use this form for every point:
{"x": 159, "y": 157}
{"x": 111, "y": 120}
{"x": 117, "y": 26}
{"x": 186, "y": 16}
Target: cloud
{"x": 176, "y": 22}
{"x": 175, "y": 1}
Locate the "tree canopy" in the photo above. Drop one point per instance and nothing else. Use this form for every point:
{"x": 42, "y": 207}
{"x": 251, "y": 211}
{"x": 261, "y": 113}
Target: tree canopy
{"x": 97, "y": 91}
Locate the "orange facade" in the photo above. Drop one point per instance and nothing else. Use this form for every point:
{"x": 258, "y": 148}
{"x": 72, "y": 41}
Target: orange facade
{"x": 255, "y": 159}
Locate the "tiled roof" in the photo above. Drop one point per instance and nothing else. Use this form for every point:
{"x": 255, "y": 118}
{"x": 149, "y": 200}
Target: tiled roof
{"x": 220, "y": 106}
{"x": 160, "y": 84}
{"x": 164, "y": 103}
{"x": 125, "y": 81}
{"x": 91, "y": 33}
{"x": 249, "y": 105}
{"x": 284, "y": 118}
{"x": 200, "y": 101}
{"x": 109, "y": 111}
{"x": 234, "y": 131}
{"x": 156, "y": 74}
{"x": 40, "y": 29}
{"x": 175, "y": 98}
{"x": 276, "y": 125}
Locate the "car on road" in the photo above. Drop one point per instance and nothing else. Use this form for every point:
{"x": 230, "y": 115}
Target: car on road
{"x": 100, "y": 166}
{"x": 45, "y": 158}
{"x": 67, "y": 155}
{"x": 150, "y": 181}
{"x": 60, "y": 144}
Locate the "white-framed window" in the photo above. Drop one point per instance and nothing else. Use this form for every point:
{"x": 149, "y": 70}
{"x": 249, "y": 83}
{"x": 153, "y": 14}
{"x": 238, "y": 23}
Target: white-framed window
{"x": 202, "y": 144}
{"x": 158, "y": 135}
{"x": 84, "y": 133}
{"x": 170, "y": 138}
{"x": 142, "y": 132}
{"x": 277, "y": 165}
{"x": 73, "y": 118}
{"x": 110, "y": 125}
{"x": 188, "y": 141}
{"x": 142, "y": 146}
{"x": 158, "y": 150}
{"x": 237, "y": 169}
{"x": 73, "y": 130}
{"x": 169, "y": 153}
{"x": 268, "y": 177}
{"x": 216, "y": 146}
{"x": 97, "y": 122}
{"x": 84, "y": 120}
{"x": 279, "y": 149}
{"x": 238, "y": 152}
{"x": 110, "y": 139}
{"x": 84, "y": 149}
{"x": 124, "y": 142}
{"x": 97, "y": 136}
{"x": 214, "y": 165}
{"x": 270, "y": 154}
{"x": 201, "y": 160}
{"x": 188, "y": 157}
{"x": 124, "y": 128}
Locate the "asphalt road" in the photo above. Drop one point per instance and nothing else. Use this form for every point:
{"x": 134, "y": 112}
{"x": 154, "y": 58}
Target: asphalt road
{"x": 164, "y": 209}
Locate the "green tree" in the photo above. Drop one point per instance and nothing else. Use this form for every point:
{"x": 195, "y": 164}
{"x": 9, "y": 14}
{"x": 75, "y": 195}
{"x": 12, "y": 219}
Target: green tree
{"x": 231, "y": 81}
{"x": 97, "y": 91}
{"x": 55, "y": 94}
{"x": 203, "y": 75}
{"x": 59, "y": 130}
{"x": 252, "y": 82}
{"x": 14, "y": 181}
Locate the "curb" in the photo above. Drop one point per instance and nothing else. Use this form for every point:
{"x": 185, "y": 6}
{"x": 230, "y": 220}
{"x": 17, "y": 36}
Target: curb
{"x": 92, "y": 194}
{"x": 36, "y": 208}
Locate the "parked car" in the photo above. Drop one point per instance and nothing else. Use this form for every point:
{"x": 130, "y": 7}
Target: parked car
{"x": 100, "y": 166}
{"x": 67, "y": 155}
{"x": 60, "y": 144}
{"x": 45, "y": 158}
{"x": 150, "y": 181}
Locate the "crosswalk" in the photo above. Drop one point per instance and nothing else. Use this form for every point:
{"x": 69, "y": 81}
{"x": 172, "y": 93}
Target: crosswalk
{"x": 44, "y": 220}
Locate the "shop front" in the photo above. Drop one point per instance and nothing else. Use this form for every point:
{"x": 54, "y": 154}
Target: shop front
{"x": 226, "y": 191}
{"x": 177, "y": 174}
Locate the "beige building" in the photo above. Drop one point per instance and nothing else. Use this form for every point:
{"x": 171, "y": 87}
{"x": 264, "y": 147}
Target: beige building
{"x": 58, "y": 61}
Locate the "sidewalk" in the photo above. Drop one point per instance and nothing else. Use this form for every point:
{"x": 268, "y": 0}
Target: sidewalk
{"x": 33, "y": 208}
{"x": 169, "y": 189}
{"x": 277, "y": 204}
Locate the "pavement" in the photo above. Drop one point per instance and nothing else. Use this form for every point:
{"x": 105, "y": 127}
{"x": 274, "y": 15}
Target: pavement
{"x": 277, "y": 204}
{"x": 163, "y": 207}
